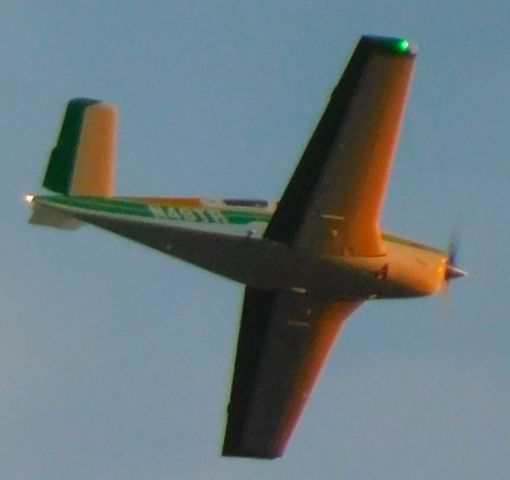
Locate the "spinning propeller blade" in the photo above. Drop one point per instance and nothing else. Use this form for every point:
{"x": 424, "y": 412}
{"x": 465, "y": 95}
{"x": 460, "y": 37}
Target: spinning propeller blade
{"x": 452, "y": 271}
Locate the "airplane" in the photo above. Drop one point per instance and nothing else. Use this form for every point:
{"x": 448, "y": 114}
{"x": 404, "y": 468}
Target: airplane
{"x": 307, "y": 262}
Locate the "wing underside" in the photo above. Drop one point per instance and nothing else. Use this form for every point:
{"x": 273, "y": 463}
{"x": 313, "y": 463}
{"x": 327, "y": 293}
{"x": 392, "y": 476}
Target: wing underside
{"x": 333, "y": 202}
{"x": 284, "y": 341}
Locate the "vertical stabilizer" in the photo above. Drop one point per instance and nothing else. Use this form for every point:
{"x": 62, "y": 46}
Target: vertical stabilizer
{"x": 83, "y": 160}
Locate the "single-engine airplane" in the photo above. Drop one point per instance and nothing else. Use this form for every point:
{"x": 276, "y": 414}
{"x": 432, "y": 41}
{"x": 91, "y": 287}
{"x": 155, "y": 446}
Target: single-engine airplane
{"x": 307, "y": 262}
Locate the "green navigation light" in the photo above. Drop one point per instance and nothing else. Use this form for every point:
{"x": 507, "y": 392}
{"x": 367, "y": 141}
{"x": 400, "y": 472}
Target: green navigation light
{"x": 392, "y": 45}
{"x": 402, "y": 46}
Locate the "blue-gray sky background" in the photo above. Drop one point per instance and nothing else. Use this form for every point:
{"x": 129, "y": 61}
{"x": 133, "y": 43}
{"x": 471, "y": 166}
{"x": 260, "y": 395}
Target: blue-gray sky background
{"x": 115, "y": 361}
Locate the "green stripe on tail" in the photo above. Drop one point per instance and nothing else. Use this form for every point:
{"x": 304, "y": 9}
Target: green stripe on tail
{"x": 63, "y": 157}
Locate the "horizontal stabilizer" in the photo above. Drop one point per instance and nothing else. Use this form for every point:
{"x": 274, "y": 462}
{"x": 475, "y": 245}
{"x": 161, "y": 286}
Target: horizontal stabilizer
{"x": 53, "y": 217}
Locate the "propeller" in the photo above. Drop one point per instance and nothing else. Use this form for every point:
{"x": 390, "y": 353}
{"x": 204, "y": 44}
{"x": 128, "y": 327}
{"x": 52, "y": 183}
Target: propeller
{"x": 452, "y": 271}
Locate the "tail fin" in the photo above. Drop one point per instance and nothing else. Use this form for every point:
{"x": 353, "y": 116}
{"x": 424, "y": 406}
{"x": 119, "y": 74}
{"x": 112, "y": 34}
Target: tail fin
{"x": 83, "y": 160}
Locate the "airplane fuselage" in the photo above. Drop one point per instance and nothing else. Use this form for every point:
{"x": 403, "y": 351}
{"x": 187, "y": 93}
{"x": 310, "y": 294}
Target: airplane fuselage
{"x": 227, "y": 237}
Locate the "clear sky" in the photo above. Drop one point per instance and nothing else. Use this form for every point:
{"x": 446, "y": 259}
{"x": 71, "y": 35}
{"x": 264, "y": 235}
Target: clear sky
{"x": 115, "y": 361}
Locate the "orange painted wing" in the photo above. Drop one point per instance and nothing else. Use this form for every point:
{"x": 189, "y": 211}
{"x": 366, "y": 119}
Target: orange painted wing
{"x": 334, "y": 200}
{"x": 331, "y": 206}
{"x": 284, "y": 342}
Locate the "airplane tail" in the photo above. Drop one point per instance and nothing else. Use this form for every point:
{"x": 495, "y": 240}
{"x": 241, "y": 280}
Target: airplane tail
{"x": 83, "y": 160}
{"x": 82, "y": 163}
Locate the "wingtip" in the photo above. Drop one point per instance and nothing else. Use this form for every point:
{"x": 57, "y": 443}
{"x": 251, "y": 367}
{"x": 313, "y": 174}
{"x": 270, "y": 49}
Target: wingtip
{"x": 240, "y": 453}
{"x": 393, "y": 45}
{"x": 83, "y": 101}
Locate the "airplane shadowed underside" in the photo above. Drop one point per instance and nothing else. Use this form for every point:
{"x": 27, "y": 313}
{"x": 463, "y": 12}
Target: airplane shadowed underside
{"x": 307, "y": 262}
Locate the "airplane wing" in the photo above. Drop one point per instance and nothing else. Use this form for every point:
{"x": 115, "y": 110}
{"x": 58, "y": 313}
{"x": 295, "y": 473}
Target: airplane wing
{"x": 331, "y": 206}
{"x": 334, "y": 200}
{"x": 284, "y": 341}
